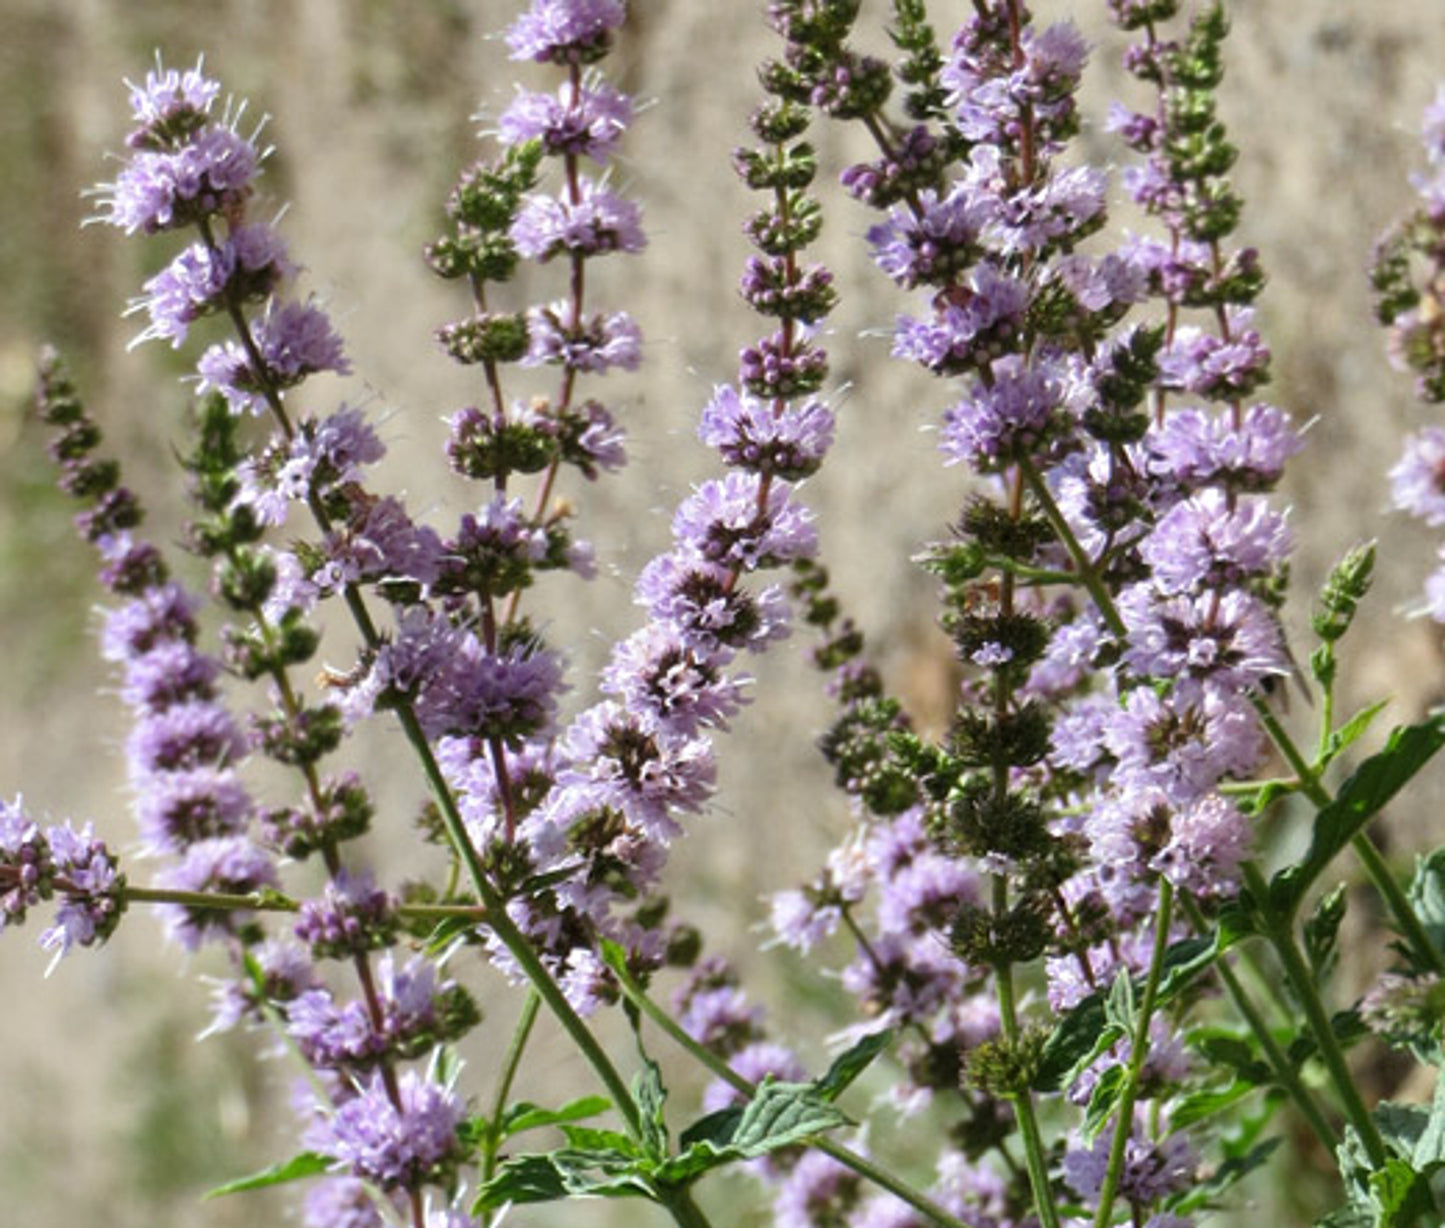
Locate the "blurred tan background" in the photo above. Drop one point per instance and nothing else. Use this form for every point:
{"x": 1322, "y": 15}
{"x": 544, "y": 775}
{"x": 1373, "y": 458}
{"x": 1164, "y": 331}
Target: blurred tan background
{"x": 108, "y": 1113}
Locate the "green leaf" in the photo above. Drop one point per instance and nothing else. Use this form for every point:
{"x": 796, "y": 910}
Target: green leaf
{"x": 1103, "y": 1101}
{"x": 1349, "y": 733}
{"x": 297, "y": 1168}
{"x": 1197, "y": 1106}
{"x": 1235, "y": 1051}
{"x": 565, "y": 1173}
{"x": 1119, "y": 1008}
{"x": 848, "y": 1066}
{"x": 1360, "y": 798}
{"x": 1427, "y": 895}
{"x": 1184, "y": 961}
{"x": 586, "y": 1138}
{"x": 781, "y": 1114}
{"x": 526, "y": 1116}
{"x": 778, "y": 1115}
{"x": 1228, "y": 1174}
{"x": 650, "y": 1095}
{"x": 1321, "y": 933}
{"x": 1401, "y": 1195}
{"x": 1077, "y": 1040}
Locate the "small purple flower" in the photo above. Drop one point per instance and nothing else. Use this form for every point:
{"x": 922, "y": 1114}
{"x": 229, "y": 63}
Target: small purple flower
{"x": 597, "y": 344}
{"x": 1197, "y": 448}
{"x": 169, "y": 104}
{"x": 750, "y": 434}
{"x": 158, "y": 615}
{"x": 1417, "y": 482}
{"x": 600, "y": 221}
{"x": 192, "y": 734}
{"x": 177, "y": 808}
{"x": 379, "y": 542}
{"x": 170, "y": 673}
{"x": 1184, "y": 745}
{"x": 1021, "y": 414}
{"x": 1198, "y": 361}
{"x": 91, "y": 889}
{"x": 707, "y": 608}
{"x": 229, "y": 865}
{"x": 615, "y": 759}
{"x": 351, "y": 916}
{"x": 397, "y": 1147}
{"x": 1227, "y": 643}
{"x": 680, "y": 687}
{"x": 931, "y": 245}
{"x": 1151, "y": 1169}
{"x": 817, "y": 1190}
{"x": 167, "y": 189}
{"x": 738, "y": 523}
{"x": 583, "y": 122}
{"x": 25, "y": 859}
{"x": 565, "y": 31}
{"x": 341, "y": 1202}
{"x": 1059, "y": 210}
{"x": 975, "y": 324}
{"x": 248, "y": 264}
{"x": 294, "y": 340}
{"x": 1213, "y": 541}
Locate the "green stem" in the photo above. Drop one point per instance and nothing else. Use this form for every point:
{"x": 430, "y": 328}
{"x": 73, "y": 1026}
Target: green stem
{"x": 1087, "y": 574}
{"x": 1394, "y": 896}
{"x": 1279, "y": 1062}
{"x": 491, "y": 1145}
{"x": 1023, "y": 1101}
{"x": 1138, "y": 1051}
{"x": 272, "y": 901}
{"x": 851, "y": 1160}
{"x": 507, "y": 932}
{"x": 1297, "y": 973}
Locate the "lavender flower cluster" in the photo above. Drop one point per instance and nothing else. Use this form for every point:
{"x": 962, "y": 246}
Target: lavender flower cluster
{"x": 1050, "y": 916}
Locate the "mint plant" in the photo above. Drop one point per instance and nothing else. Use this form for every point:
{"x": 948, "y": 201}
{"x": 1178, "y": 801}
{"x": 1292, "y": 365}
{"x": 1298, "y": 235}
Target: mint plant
{"x": 1062, "y": 922}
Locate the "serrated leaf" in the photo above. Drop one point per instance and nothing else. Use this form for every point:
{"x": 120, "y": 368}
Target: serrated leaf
{"x": 447, "y": 931}
{"x": 1360, "y": 798}
{"x": 778, "y": 1115}
{"x": 297, "y": 1168}
{"x": 565, "y": 1173}
{"x": 1103, "y": 1101}
{"x": 1235, "y": 1052}
{"x": 527, "y": 1116}
{"x": 848, "y": 1066}
{"x": 781, "y": 1114}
